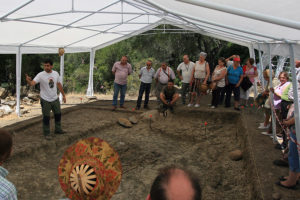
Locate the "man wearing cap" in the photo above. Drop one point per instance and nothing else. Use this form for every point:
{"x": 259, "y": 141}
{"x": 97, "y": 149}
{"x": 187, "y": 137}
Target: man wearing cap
{"x": 121, "y": 70}
{"x": 186, "y": 69}
{"x": 7, "y": 189}
{"x": 49, "y": 81}
{"x": 146, "y": 75}
{"x": 233, "y": 81}
{"x": 162, "y": 76}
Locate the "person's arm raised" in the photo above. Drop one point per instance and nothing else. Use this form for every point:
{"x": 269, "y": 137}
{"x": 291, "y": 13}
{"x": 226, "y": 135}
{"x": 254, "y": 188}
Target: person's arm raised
{"x": 29, "y": 80}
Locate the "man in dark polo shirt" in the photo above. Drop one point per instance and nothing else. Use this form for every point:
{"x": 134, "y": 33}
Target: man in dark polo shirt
{"x": 169, "y": 96}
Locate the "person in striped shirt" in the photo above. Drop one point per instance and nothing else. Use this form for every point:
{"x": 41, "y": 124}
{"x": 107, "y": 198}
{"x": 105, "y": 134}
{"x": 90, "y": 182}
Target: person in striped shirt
{"x": 7, "y": 189}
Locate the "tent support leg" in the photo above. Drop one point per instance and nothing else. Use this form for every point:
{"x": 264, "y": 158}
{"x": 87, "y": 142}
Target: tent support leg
{"x": 90, "y": 90}
{"x": 295, "y": 93}
{"x": 252, "y": 55}
{"x": 261, "y": 68}
{"x": 62, "y": 70}
{"x": 272, "y": 97}
{"x": 18, "y": 80}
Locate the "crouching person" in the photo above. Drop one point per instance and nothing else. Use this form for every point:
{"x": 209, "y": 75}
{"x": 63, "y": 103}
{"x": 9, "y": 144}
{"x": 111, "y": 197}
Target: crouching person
{"x": 169, "y": 96}
{"x": 7, "y": 189}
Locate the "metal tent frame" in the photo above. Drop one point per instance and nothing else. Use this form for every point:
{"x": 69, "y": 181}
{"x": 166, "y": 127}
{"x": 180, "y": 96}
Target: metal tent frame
{"x": 144, "y": 15}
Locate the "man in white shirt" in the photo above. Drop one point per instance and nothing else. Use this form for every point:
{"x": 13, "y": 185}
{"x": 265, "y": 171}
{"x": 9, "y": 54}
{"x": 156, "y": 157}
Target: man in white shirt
{"x": 162, "y": 76}
{"x": 49, "y": 81}
{"x": 146, "y": 75}
{"x": 186, "y": 69}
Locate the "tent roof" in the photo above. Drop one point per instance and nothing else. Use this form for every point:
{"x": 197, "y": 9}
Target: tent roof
{"x": 42, "y": 26}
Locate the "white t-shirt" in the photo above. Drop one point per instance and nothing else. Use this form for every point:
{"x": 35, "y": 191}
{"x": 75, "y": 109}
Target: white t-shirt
{"x": 186, "y": 70}
{"x": 48, "y": 85}
{"x": 147, "y": 75}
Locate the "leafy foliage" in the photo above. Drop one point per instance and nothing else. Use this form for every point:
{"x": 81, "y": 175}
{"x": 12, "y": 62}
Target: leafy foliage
{"x": 158, "y": 47}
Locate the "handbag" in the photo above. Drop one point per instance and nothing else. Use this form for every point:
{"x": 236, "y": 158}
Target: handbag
{"x": 246, "y": 84}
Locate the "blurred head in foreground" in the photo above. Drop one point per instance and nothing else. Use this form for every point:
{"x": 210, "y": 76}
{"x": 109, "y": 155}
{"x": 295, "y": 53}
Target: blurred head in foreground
{"x": 173, "y": 183}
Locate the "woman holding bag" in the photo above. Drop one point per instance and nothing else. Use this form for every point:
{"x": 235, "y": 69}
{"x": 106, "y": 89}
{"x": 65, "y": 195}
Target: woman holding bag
{"x": 250, "y": 72}
{"x": 218, "y": 82}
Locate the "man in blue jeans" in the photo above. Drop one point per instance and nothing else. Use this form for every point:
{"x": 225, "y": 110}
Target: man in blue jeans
{"x": 146, "y": 75}
{"x": 121, "y": 70}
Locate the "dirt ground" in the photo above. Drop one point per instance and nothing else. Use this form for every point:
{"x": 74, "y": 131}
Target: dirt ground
{"x": 73, "y": 99}
{"x": 179, "y": 139}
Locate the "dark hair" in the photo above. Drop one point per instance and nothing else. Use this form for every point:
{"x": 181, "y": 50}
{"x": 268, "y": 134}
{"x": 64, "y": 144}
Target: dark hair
{"x": 48, "y": 60}
{"x": 251, "y": 61}
{"x": 5, "y": 144}
{"x": 223, "y": 60}
{"x": 158, "y": 189}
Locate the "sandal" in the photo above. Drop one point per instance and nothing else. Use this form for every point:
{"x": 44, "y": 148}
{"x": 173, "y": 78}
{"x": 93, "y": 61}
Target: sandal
{"x": 282, "y": 178}
{"x": 293, "y": 187}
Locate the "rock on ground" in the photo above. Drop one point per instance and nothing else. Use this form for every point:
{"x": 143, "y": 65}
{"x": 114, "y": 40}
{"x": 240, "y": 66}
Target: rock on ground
{"x": 3, "y": 93}
{"x": 6, "y": 109}
{"x": 1, "y": 113}
{"x": 236, "y": 155}
{"x": 9, "y": 103}
{"x": 34, "y": 96}
{"x": 133, "y": 119}
{"x": 153, "y": 114}
{"x": 125, "y": 122}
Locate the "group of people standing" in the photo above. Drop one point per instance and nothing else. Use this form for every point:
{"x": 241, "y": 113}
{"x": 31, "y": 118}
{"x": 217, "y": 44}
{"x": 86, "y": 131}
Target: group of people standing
{"x": 196, "y": 78}
{"x": 283, "y": 108}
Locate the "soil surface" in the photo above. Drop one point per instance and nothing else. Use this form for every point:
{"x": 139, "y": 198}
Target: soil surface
{"x": 179, "y": 139}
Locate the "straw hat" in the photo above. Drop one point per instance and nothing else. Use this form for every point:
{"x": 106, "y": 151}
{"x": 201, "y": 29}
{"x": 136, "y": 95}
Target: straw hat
{"x": 61, "y": 51}
{"x": 90, "y": 170}
{"x": 203, "y": 88}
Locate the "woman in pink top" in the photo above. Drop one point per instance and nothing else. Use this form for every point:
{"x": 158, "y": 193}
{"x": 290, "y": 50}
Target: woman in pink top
{"x": 283, "y": 78}
{"x": 250, "y": 71}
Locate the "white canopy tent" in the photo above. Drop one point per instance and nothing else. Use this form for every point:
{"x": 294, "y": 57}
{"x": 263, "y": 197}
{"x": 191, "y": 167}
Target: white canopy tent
{"x": 40, "y": 26}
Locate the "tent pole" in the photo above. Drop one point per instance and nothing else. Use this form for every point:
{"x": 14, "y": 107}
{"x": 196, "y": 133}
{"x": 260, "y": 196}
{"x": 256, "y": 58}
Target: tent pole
{"x": 252, "y": 55}
{"x": 245, "y": 13}
{"x": 295, "y": 93}
{"x": 167, "y": 10}
{"x": 15, "y": 10}
{"x": 272, "y": 96}
{"x": 261, "y": 67}
{"x": 18, "y": 79}
{"x": 90, "y": 90}
{"x": 62, "y": 70}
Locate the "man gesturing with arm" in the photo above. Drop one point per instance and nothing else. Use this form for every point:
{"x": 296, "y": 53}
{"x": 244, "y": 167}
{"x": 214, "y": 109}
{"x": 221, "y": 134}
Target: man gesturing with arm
{"x": 49, "y": 81}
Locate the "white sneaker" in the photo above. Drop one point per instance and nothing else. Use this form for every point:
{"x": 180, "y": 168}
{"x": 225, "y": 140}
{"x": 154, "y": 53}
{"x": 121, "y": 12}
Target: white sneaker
{"x": 212, "y": 107}
{"x": 197, "y": 106}
{"x": 189, "y": 105}
{"x": 262, "y": 126}
{"x": 266, "y": 133}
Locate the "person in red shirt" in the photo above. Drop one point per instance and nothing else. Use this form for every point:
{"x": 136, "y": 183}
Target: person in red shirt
{"x": 250, "y": 71}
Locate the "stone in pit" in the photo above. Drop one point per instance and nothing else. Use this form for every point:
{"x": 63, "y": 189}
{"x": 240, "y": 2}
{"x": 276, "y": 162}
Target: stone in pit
{"x": 125, "y": 122}
{"x": 133, "y": 119}
{"x": 236, "y": 155}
